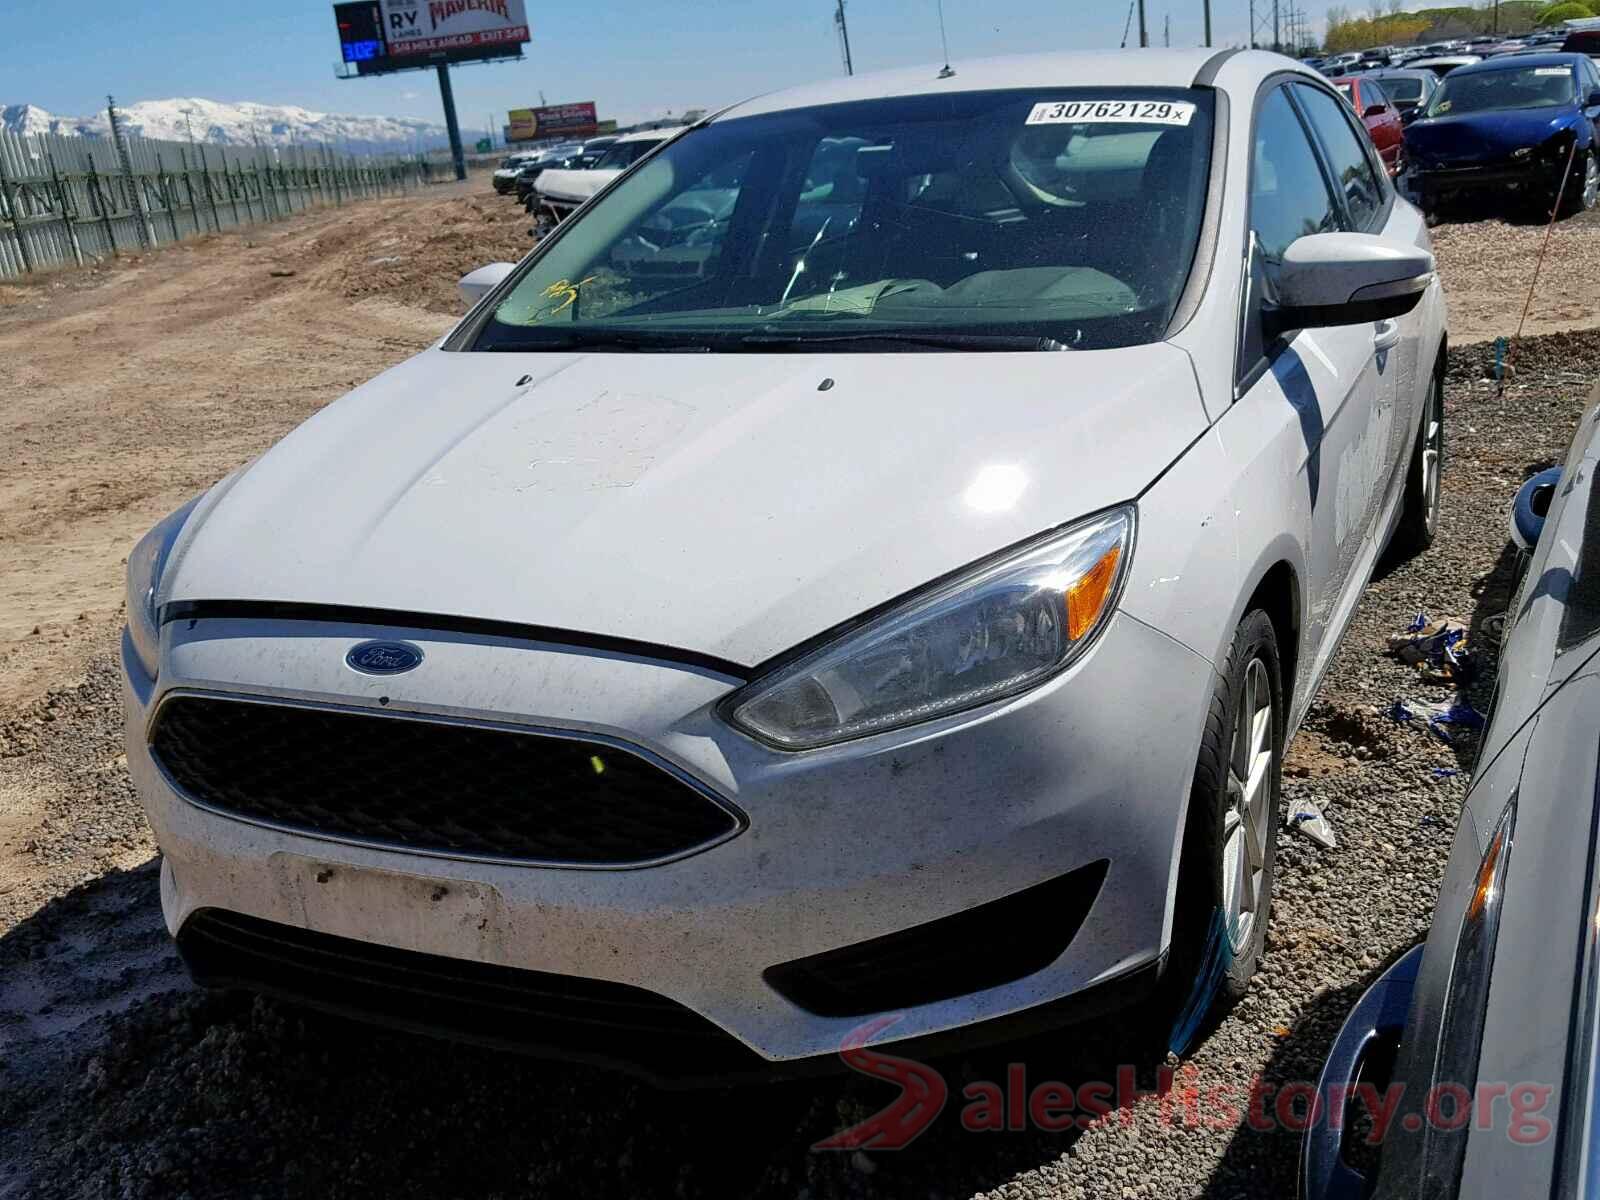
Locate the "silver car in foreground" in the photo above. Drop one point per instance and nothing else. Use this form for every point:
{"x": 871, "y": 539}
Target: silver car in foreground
{"x": 1482, "y": 1046}
{"x": 868, "y": 562}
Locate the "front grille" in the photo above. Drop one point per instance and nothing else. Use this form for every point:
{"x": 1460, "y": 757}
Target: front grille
{"x": 585, "y": 1020}
{"x": 430, "y": 786}
{"x": 983, "y": 947}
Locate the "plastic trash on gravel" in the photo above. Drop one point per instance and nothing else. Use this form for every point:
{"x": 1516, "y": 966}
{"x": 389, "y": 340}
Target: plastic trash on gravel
{"x": 1308, "y": 819}
{"x": 1437, "y": 648}
{"x": 1451, "y": 721}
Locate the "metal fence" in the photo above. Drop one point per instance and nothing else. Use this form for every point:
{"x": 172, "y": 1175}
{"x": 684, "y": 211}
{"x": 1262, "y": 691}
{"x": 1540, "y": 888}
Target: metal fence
{"x": 71, "y": 201}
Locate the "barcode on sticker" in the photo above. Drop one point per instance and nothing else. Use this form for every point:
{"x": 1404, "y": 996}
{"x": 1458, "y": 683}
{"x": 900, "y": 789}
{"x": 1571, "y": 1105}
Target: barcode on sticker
{"x": 1124, "y": 112}
{"x": 1552, "y": 70}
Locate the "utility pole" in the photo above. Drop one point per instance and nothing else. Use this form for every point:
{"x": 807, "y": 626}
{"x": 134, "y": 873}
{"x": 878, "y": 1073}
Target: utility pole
{"x": 1144, "y": 31}
{"x": 844, "y": 37}
{"x": 448, "y": 96}
{"x": 1166, "y": 32}
{"x": 1277, "y": 39}
{"x": 1207, "y": 4}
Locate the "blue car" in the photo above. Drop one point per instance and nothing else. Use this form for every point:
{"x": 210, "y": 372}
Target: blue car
{"x": 1510, "y": 123}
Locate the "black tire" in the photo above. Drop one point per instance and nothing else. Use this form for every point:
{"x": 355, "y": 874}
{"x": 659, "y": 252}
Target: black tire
{"x": 1581, "y": 192}
{"x": 1197, "y": 989}
{"x": 1419, "y": 514}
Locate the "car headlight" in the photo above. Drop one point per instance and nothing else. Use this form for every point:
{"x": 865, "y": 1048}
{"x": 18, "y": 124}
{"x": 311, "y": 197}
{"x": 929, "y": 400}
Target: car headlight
{"x": 1466, "y": 1007}
{"x": 145, "y": 565}
{"x": 991, "y": 632}
{"x": 1522, "y": 152}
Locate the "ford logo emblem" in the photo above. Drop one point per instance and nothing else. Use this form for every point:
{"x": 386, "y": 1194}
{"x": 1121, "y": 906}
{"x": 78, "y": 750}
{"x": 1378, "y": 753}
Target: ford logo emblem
{"x": 383, "y": 658}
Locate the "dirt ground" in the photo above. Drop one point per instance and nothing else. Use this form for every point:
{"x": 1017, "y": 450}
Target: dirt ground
{"x": 127, "y": 390}
{"x": 1490, "y": 265}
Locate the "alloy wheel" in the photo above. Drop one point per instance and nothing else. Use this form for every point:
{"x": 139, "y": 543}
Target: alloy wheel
{"x": 1432, "y": 454}
{"x": 1246, "y": 824}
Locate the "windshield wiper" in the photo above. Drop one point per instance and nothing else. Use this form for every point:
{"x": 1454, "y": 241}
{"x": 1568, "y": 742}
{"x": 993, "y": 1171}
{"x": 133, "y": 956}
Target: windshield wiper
{"x": 924, "y": 339}
{"x": 606, "y": 341}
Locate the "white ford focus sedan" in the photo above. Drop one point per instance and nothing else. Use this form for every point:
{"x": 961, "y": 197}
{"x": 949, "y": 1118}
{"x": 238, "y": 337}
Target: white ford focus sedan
{"x": 866, "y": 564}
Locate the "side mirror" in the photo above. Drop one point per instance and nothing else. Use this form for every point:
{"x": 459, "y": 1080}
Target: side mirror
{"x": 1346, "y": 279}
{"x": 1531, "y": 507}
{"x": 1375, "y": 110}
{"x": 475, "y": 285}
{"x": 1594, "y": 99}
{"x": 1408, "y": 115}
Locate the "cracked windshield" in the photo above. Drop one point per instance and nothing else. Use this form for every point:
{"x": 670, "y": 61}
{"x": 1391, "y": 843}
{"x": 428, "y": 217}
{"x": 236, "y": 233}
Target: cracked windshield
{"x": 1004, "y": 220}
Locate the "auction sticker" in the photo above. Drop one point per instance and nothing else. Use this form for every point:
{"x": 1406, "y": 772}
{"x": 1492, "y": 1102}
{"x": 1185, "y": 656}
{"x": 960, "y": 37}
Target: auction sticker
{"x": 1112, "y": 112}
{"x": 1552, "y": 70}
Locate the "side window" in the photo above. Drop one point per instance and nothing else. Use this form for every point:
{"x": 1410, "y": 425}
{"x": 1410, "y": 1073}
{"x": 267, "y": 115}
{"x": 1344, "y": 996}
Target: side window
{"x": 1289, "y": 198}
{"x": 1347, "y": 154}
{"x": 1288, "y": 193}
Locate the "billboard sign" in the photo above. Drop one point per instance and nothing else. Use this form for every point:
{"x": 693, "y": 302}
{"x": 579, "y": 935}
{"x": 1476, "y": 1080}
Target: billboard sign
{"x": 423, "y": 27}
{"x": 554, "y": 120}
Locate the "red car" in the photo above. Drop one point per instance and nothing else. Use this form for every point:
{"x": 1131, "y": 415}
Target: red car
{"x": 1378, "y": 114}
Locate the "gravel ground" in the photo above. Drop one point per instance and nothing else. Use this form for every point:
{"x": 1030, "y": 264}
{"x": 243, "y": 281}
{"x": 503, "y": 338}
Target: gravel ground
{"x": 118, "y": 1079}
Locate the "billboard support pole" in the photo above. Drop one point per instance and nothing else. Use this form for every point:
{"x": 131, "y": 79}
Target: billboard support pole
{"x": 448, "y": 97}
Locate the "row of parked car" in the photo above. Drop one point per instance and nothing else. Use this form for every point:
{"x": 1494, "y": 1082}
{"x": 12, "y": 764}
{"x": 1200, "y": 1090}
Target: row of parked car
{"x": 1521, "y": 126}
{"x": 1441, "y": 56}
{"x": 552, "y": 181}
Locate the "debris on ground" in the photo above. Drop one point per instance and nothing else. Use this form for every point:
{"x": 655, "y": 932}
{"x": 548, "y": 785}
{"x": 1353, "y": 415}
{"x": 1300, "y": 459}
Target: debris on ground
{"x": 1437, "y": 648}
{"x": 1451, "y": 721}
{"x": 1305, "y": 817}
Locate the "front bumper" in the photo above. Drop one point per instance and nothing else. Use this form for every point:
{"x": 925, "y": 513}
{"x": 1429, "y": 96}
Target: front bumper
{"x": 844, "y": 845}
{"x": 1536, "y": 175}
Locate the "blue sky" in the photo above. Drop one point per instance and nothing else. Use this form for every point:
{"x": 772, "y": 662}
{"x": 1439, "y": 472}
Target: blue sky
{"x": 636, "y": 59}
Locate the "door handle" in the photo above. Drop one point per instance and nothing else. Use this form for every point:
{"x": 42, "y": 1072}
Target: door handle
{"x": 1385, "y": 336}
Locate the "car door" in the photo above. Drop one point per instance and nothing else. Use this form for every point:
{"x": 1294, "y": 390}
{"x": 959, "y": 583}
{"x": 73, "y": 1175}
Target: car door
{"x": 1394, "y": 345}
{"x": 1588, "y": 84}
{"x": 1325, "y": 378}
{"x": 1383, "y": 128}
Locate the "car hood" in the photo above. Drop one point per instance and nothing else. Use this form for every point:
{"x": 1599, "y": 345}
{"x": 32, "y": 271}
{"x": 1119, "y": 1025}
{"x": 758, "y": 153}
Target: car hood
{"x": 574, "y": 185}
{"x": 729, "y": 504}
{"x": 1485, "y": 136}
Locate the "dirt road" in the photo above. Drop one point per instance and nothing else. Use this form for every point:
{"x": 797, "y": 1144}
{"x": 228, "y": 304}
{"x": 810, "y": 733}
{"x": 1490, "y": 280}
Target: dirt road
{"x": 124, "y": 393}
{"x": 128, "y": 390}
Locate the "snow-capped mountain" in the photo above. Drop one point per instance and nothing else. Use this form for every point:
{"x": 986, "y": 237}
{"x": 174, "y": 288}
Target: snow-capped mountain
{"x": 241, "y": 124}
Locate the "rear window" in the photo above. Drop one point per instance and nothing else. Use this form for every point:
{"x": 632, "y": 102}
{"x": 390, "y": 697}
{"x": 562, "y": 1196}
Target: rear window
{"x": 1403, "y": 88}
{"x": 625, "y": 154}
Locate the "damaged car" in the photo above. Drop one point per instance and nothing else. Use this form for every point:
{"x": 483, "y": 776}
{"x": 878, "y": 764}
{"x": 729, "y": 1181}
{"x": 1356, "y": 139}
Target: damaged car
{"x": 857, "y": 577}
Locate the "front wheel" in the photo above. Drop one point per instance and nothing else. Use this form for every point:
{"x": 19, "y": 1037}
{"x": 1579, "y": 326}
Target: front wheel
{"x": 1230, "y": 845}
{"x": 1419, "y": 516}
{"x": 1583, "y": 187}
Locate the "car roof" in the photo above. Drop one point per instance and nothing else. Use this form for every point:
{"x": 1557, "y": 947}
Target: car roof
{"x": 1088, "y": 68}
{"x": 1502, "y": 62}
{"x": 1401, "y": 73}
